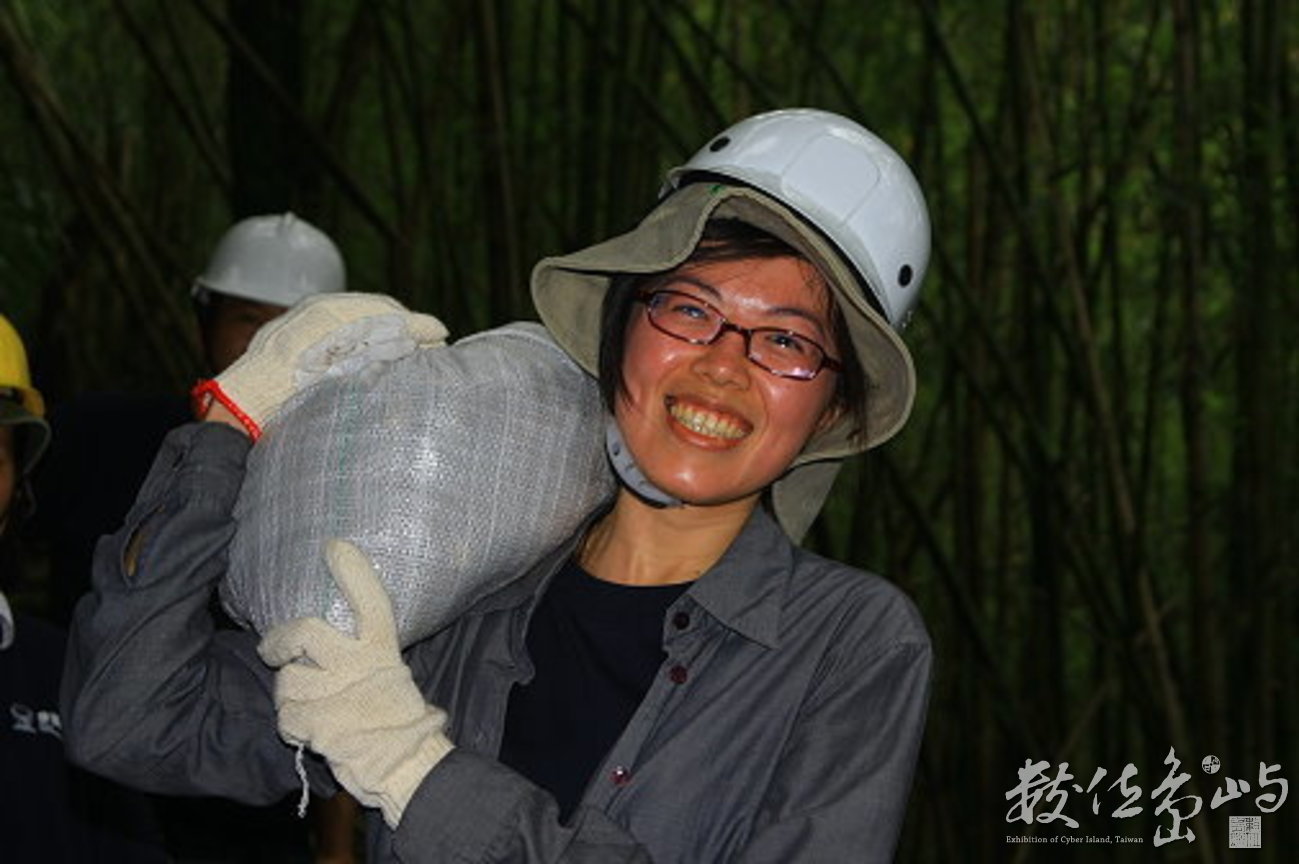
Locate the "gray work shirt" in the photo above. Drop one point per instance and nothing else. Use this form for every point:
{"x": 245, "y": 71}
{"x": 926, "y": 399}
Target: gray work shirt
{"x": 784, "y": 725}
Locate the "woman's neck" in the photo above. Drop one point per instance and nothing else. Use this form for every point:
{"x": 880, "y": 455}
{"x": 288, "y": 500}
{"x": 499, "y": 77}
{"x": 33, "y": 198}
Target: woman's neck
{"x": 639, "y": 544}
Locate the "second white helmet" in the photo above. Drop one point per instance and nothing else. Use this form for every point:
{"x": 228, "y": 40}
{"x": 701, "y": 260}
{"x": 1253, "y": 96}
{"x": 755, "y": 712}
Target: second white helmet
{"x": 841, "y": 178}
{"x": 277, "y": 259}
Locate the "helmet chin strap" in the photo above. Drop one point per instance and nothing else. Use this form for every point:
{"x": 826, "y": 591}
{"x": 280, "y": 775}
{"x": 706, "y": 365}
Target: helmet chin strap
{"x": 625, "y": 467}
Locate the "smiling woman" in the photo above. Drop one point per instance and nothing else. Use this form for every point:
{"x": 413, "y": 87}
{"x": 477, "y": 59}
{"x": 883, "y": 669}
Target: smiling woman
{"x": 677, "y": 681}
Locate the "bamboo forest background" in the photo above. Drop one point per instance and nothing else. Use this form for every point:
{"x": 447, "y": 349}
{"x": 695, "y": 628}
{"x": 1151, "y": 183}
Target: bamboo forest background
{"x": 1094, "y": 503}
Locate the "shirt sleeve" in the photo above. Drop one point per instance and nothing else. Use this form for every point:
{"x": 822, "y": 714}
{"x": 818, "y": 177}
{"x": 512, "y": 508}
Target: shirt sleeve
{"x": 153, "y": 694}
{"x": 840, "y": 789}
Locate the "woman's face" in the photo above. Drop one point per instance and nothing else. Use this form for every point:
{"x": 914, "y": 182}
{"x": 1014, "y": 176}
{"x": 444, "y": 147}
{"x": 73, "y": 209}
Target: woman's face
{"x": 704, "y": 423}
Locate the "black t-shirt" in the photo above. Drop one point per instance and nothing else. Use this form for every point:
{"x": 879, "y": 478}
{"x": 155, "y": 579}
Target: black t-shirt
{"x": 596, "y": 647}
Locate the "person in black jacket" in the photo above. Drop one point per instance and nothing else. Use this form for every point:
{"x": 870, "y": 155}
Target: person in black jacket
{"x": 49, "y": 810}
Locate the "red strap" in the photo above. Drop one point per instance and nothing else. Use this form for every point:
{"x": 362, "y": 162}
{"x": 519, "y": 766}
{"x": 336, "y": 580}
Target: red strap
{"x": 209, "y": 389}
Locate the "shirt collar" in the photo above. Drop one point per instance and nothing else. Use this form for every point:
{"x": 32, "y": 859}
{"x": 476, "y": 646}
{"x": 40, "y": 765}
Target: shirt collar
{"x": 745, "y": 589}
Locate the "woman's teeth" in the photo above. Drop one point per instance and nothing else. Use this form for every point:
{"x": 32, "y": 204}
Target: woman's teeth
{"x": 707, "y": 423}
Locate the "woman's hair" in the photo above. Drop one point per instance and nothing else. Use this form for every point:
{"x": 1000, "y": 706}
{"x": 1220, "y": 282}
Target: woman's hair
{"x": 727, "y": 240}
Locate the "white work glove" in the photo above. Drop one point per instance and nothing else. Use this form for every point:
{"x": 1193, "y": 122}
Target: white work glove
{"x": 323, "y": 335}
{"x": 353, "y": 700}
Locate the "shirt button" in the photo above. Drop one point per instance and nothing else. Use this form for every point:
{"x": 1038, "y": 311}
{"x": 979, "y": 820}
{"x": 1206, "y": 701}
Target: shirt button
{"x": 621, "y": 776}
{"x": 678, "y": 674}
{"x": 681, "y": 620}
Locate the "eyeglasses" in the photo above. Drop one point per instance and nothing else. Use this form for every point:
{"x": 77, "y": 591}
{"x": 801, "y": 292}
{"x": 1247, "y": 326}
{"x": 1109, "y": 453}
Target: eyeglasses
{"x": 781, "y": 352}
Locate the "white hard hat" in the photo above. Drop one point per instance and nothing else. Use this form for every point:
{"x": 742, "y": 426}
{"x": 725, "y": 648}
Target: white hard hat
{"x": 277, "y": 259}
{"x": 843, "y": 180}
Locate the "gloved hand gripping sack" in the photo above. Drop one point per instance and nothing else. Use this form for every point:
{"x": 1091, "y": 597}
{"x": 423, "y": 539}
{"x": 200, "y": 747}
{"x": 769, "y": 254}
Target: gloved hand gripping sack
{"x": 453, "y": 469}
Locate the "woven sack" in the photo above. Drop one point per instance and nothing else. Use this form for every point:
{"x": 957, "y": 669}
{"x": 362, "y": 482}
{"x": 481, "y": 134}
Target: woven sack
{"x": 453, "y": 468}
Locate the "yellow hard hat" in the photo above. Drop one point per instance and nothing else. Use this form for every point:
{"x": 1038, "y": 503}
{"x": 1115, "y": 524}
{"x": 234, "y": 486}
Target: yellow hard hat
{"x": 14, "y": 374}
{"x": 21, "y": 404}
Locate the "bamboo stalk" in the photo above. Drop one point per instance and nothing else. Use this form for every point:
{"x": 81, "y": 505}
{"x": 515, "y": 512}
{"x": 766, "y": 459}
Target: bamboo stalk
{"x": 321, "y": 148}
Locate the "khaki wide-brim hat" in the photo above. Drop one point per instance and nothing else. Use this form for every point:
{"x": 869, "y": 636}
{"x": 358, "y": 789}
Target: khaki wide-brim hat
{"x": 569, "y": 290}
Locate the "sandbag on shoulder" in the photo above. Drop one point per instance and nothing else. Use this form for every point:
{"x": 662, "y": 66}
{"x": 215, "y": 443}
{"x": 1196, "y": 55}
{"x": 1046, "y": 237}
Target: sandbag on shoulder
{"x": 452, "y": 468}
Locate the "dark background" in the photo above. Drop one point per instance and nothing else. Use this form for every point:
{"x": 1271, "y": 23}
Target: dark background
{"x": 1094, "y": 503}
